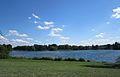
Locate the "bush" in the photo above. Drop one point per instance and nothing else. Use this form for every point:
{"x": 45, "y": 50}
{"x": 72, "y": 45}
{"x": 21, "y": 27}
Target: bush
{"x": 19, "y": 58}
{"x": 81, "y": 59}
{"x": 46, "y": 58}
{"x": 36, "y": 58}
{"x": 4, "y": 51}
{"x": 42, "y": 58}
{"x": 58, "y": 59}
{"x": 52, "y": 59}
{"x": 70, "y": 59}
{"x": 88, "y": 61}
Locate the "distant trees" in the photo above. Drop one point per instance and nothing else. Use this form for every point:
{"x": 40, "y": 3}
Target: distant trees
{"x": 40, "y": 47}
{"x": 4, "y": 51}
{"x": 116, "y": 46}
{"x": 54, "y": 47}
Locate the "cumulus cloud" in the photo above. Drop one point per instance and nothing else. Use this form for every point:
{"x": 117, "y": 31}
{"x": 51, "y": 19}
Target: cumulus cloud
{"x": 35, "y": 22}
{"x": 15, "y": 33}
{"x": 64, "y": 40}
{"x": 108, "y": 39}
{"x": 55, "y": 32}
{"x": 43, "y": 27}
{"x": 100, "y": 35}
{"x": 35, "y": 16}
{"x": 15, "y": 38}
{"x": 20, "y": 41}
{"x": 2, "y": 38}
{"x": 48, "y": 23}
{"x": 100, "y": 41}
{"x": 30, "y": 39}
{"x": 57, "y": 29}
{"x": 116, "y": 12}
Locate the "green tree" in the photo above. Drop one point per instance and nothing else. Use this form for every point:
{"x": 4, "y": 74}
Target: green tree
{"x": 4, "y": 51}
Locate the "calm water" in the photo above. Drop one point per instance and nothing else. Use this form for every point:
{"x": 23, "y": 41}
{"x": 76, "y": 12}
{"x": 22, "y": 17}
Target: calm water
{"x": 94, "y": 55}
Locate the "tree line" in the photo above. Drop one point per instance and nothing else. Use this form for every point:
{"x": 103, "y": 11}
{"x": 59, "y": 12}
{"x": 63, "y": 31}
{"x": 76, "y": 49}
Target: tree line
{"x": 4, "y": 51}
{"x": 54, "y": 47}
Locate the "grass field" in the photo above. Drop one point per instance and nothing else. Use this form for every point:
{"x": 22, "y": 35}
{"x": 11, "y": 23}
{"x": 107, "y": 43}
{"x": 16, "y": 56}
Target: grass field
{"x": 37, "y": 68}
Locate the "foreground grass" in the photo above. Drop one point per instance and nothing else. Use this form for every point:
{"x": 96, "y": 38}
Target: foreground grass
{"x": 37, "y": 68}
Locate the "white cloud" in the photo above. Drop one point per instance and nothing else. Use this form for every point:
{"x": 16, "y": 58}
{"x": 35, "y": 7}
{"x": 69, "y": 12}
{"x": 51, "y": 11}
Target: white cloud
{"x": 108, "y": 39}
{"x": 22, "y": 35}
{"x": 116, "y": 12}
{"x": 57, "y": 29}
{"x": 30, "y": 39}
{"x": 55, "y": 32}
{"x": 35, "y": 16}
{"x": 15, "y": 33}
{"x": 20, "y": 41}
{"x": 14, "y": 38}
{"x": 64, "y": 40}
{"x": 2, "y": 38}
{"x": 37, "y": 42}
{"x": 44, "y": 27}
{"x": 48, "y": 23}
{"x": 100, "y": 41}
{"x": 101, "y": 35}
{"x": 35, "y": 22}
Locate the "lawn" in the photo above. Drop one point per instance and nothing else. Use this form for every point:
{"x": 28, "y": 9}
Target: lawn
{"x": 43, "y": 68}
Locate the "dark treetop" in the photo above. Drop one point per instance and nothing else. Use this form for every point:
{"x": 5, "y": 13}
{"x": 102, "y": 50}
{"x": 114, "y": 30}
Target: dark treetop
{"x": 54, "y": 47}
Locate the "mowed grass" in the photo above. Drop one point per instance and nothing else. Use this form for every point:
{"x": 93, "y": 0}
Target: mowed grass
{"x": 43, "y": 68}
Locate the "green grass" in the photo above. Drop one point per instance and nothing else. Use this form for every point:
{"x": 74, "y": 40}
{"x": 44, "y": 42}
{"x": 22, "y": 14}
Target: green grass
{"x": 42, "y": 68}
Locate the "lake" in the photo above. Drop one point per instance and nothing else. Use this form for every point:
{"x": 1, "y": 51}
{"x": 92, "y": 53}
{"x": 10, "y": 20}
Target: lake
{"x": 93, "y": 55}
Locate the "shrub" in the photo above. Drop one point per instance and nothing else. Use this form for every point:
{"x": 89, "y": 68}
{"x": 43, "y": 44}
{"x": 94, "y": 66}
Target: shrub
{"x": 81, "y": 59}
{"x": 42, "y": 58}
{"x": 36, "y": 58}
{"x": 19, "y": 58}
{"x": 70, "y": 59}
{"x": 4, "y": 51}
{"x": 46, "y": 58}
{"x": 58, "y": 59}
{"x": 88, "y": 61}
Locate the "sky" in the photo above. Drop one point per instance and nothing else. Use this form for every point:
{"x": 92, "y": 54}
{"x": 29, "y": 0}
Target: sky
{"x": 74, "y": 22}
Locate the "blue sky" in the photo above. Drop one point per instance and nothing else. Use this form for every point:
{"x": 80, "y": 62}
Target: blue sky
{"x": 76, "y": 22}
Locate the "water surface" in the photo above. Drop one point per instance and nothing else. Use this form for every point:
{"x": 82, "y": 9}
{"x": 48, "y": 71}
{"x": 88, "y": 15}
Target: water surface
{"x": 93, "y": 55}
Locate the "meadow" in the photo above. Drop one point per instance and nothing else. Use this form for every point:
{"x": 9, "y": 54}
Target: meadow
{"x": 47, "y": 68}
